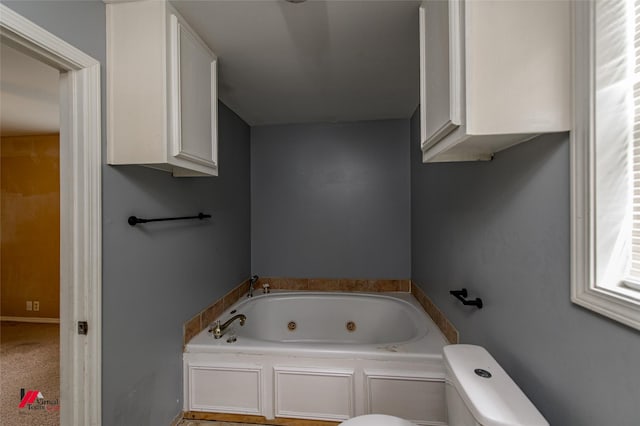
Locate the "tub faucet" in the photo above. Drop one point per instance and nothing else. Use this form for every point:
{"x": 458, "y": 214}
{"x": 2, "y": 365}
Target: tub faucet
{"x": 219, "y": 330}
{"x": 252, "y": 283}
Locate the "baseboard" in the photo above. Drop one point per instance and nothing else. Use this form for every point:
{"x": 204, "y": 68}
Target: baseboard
{"x": 32, "y": 319}
{"x": 247, "y": 419}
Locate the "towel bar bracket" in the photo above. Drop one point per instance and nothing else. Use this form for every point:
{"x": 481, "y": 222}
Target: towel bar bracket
{"x": 462, "y": 295}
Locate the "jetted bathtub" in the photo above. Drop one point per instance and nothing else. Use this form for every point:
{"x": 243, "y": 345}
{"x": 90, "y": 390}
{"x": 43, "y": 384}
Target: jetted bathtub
{"x": 318, "y": 355}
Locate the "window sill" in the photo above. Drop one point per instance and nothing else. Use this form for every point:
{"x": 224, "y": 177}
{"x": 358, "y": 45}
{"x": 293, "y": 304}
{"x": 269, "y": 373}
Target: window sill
{"x": 621, "y": 304}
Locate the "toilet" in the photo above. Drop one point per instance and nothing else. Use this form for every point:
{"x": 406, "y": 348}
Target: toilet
{"x": 478, "y": 393}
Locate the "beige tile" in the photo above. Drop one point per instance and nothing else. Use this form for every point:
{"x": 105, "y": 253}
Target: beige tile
{"x": 350, "y": 285}
{"x": 191, "y": 328}
{"x": 212, "y": 312}
{"x": 277, "y": 283}
{"x": 404, "y": 285}
{"x": 386, "y": 285}
{"x": 230, "y": 298}
{"x": 366, "y": 285}
{"x": 445, "y": 326}
{"x": 450, "y": 332}
{"x": 331, "y": 284}
{"x": 243, "y": 288}
{"x": 359, "y": 285}
{"x": 324, "y": 284}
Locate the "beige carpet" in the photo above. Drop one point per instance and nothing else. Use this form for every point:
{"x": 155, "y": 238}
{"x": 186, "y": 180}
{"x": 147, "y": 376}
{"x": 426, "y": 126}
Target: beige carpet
{"x": 29, "y": 359}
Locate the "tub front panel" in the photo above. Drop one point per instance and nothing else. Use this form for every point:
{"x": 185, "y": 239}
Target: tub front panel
{"x": 320, "y": 388}
{"x": 321, "y": 356}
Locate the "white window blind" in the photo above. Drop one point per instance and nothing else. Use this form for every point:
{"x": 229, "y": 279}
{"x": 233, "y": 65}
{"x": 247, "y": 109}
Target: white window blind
{"x": 633, "y": 278}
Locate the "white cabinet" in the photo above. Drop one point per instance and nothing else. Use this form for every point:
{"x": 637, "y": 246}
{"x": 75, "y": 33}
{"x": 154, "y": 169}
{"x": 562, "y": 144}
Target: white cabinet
{"x": 162, "y": 102}
{"x": 492, "y": 74}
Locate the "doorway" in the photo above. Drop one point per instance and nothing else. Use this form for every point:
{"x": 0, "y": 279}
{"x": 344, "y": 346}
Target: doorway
{"x": 30, "y": 240}
{"x": 80, "y": 215}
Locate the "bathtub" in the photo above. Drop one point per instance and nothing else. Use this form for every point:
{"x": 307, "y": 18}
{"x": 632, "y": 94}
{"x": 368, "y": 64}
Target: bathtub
{"x": 322, "y": 356}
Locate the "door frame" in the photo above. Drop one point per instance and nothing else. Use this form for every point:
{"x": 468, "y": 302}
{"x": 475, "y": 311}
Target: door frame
{"x": 80, "y": 214}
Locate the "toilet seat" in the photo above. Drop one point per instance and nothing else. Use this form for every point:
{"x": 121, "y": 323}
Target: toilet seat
{"x": 377, "y": 420}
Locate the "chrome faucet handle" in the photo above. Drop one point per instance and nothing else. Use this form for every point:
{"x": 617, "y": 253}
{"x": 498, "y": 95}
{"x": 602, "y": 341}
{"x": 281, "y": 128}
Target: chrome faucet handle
{"x": 216, "y": 330}
{"x": 266, "y": 288}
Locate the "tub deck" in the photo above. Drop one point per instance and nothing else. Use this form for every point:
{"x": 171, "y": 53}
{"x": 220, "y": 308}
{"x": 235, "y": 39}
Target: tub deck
{"x": 426, "y": 345}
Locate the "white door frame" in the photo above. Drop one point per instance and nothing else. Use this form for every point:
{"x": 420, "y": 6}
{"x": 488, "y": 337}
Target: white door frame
{"x": 80, "y": 214}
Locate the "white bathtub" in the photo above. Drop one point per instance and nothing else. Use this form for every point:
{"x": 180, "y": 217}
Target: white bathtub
{"x": 319, "y": 368}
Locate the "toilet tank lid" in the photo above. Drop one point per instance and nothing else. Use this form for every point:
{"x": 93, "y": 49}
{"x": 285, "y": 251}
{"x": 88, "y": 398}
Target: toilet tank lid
{"x": 495, "y": 400}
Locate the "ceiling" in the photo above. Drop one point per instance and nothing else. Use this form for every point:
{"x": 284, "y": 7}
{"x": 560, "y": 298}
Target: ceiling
{"x": 317, "y": 61}
{"x": 29, "y": 102}
{"x": 279, "y": 62}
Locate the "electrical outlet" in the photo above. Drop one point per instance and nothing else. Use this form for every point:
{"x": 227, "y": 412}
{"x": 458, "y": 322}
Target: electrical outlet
{"x": 36, "y": 305}
{"x": 29, "y": 305}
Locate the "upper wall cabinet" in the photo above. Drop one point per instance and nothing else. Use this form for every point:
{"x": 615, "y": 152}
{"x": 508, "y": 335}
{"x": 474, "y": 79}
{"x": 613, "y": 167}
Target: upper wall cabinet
{"x": 492, "y": 74}
{"x": 162, "y": 102}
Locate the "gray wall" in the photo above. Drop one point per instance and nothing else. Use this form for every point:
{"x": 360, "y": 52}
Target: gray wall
{"x": 501, "y": 229}
{"x": 156, "y": 277}
{"x": 331, "y": 200}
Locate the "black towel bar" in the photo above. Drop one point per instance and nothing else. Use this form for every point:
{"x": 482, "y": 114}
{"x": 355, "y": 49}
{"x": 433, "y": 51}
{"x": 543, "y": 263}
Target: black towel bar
{"x": 133, "y": 221}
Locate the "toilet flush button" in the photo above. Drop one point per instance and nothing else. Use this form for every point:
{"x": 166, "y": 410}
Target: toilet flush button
{"x": 482, "y": 373}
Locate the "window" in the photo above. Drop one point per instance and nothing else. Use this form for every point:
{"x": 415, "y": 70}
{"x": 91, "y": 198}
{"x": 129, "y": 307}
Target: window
{"x": 632, "y": 278}
{"x": 606, "y": 159}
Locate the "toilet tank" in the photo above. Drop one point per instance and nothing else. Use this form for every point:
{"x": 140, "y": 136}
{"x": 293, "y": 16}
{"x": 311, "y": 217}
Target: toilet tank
{"x": 479, "y": 391}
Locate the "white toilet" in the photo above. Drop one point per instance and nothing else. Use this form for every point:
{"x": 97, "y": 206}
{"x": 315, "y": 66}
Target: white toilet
{"x": 478, "y": 393}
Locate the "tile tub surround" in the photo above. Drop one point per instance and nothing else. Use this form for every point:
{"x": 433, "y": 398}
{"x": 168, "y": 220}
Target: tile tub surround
{"x": 445, "y": 326}
{"x": 205, "y": 317}
{"x": 201, "y": 320}
{"x": 332, "y": 284}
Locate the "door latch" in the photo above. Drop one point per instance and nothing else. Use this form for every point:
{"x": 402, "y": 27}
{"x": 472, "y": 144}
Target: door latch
{"x": 83, "y": 327}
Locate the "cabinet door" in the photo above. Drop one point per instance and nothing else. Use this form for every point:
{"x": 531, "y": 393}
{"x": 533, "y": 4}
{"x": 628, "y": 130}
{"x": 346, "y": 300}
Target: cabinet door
{"x": 441, "y": 38}
{"x": 193, "y": 104}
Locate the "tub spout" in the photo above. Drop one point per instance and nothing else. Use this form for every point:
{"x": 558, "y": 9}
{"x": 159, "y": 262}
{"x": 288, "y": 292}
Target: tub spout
{"x": 219, "y": 330}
